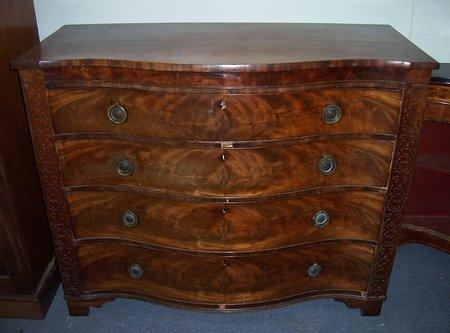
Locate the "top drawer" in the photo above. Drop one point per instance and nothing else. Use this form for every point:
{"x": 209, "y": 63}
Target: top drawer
{"x": 233, "y": 117}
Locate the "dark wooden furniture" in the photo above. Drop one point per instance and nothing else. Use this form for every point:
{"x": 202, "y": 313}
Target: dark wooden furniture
{"x": 27, "y": 266}
{"x": 427, "y": 217}
{"x": 225, "y": 166}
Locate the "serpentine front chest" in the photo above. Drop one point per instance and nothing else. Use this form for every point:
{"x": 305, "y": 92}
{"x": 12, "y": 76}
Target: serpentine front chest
{"x": 225, "y": 166}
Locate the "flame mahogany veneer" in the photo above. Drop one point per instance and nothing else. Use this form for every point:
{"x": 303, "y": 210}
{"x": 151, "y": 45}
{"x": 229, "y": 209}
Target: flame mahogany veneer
{"x": 180, "y": 163}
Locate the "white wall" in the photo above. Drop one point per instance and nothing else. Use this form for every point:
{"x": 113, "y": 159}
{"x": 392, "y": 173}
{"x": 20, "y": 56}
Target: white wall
{"x": 425, "y": 22}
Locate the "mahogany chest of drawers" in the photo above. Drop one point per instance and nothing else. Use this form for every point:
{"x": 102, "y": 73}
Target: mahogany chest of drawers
{"x": 225, "y": 166}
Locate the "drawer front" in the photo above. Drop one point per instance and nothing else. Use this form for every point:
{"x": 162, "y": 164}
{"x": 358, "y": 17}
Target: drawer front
{"x": 225, "y": 117}
{"x": 220, "y": 279}
{"x": 231, "y": 227}
{"x": 216, "y": 172}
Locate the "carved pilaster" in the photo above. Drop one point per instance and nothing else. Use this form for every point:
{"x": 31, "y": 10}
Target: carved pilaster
{"x": 33, "y": 87}
{"x": 414, "y": 100}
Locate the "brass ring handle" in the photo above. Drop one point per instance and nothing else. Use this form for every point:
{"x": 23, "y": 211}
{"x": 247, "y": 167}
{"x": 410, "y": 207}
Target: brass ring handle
{"x": 321, "y": 218}
{"x": 117, "y": 114}
{"x": 136, "y": 271}
{"x": 130, "y": 219}
{"x": 124, "y": 167}
{"x": 332, "y": 113}
{"x": 326, "y": 165}
{"x": 314, "y": 270}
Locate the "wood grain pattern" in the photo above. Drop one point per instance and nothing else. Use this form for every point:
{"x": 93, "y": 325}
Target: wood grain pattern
{"x": 438, "y": 92}
{"x": 438, "y": 112}
{"x": 225, "y": 227}
{"x": 243, "y": 117}
{"x": 246, "y": 172}
{"x": 226, "y": 47}
{"x": 438, "y": 106}
{"x": 225, "y": 279}
{"x": 95, "y": 77}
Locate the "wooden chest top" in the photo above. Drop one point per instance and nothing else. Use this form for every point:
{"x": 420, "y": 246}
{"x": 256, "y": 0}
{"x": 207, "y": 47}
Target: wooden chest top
{"x": 226, "y": 47}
